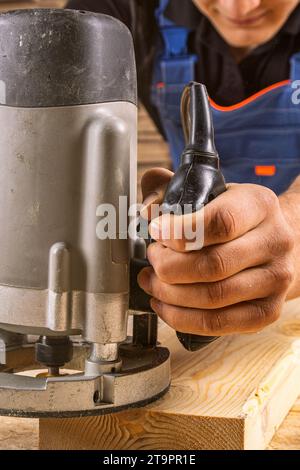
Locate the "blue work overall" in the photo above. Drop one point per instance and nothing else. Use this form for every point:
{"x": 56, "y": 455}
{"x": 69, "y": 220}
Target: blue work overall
{"x": 258, "y": 140}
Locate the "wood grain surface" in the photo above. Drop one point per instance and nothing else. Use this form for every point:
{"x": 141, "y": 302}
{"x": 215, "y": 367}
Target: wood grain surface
{"x": 23, "y": 434}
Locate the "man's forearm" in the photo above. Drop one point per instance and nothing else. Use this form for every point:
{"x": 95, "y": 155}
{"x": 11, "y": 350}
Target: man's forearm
{"x": 290, "y": 204}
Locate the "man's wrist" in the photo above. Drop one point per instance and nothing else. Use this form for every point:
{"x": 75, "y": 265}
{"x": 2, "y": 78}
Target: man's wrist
{"x": 290, "y": 205}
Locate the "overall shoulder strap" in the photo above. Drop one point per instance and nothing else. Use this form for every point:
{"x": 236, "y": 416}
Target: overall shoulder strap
{"x": 175, "y": 37}
{"x": 177, "y": 64}
{"x": 159, "y": 13}
{"x": 295, "y": 67}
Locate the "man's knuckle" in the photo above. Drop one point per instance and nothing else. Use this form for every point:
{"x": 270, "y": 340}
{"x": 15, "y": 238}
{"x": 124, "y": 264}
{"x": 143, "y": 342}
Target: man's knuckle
{"x": 274, "y": 314}
{"x": 152, "y": 251}
{"x": 268, "y": 313}
{"x": 161, "y": 269}
{"x": 215, "y": 324}
{"x": 286, "y": 242}
{"x": 225, "y": 223}
{"x": 270, "y": 242}
{"x": 278, "y": 241}
{"x": 208, "y": 324}
{"x": 261, "y": 314}
{"x": 283, "y": 275}
{"x": 269, "y": 198}
{"x": 216, "y": 263}
{"x": 216, "y": 293}
{"x": 287, "y": 273}
{"x": 157, "y": 291}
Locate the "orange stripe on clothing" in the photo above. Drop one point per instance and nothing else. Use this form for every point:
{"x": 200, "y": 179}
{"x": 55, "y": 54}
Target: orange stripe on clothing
{"x": 265, "y": 170}
{"x": 250, "y": 99}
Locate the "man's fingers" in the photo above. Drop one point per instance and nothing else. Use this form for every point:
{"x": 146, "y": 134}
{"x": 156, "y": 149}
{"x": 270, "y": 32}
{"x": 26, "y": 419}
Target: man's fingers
{"x": 237, "y": 211}
{"x": 217, "y": 262}
{"x": 154, "y": 185}
{"x": 247, "y": 317}
{"x": 248, "y": 285}
{"x": 232, "y": 214}
{"x": 155, "y": 178}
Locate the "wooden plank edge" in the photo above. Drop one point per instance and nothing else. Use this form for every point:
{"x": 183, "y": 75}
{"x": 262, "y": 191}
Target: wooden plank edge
{"x": 142, "y": 430}
{"x": 269, "y": 405}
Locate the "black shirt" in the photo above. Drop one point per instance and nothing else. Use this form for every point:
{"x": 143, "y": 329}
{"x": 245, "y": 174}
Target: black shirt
{"x": 227, "y": 82}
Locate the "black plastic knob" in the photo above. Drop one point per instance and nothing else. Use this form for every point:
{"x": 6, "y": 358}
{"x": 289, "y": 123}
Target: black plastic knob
{"x": 199, "y": 179}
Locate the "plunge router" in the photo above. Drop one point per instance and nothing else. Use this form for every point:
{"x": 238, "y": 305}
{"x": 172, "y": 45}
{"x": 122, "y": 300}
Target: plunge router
{"x": 68, "y": 141}
{"x": 68, "y": 114}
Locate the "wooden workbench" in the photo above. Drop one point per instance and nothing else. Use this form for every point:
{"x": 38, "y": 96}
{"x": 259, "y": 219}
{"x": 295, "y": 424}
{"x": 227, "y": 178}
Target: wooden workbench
{"x": 23, "y": 434}
{"x": 234, "y": 395}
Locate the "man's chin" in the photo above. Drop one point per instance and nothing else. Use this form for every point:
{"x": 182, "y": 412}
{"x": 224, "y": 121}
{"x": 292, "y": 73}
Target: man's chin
{"x": 241, "y": 39}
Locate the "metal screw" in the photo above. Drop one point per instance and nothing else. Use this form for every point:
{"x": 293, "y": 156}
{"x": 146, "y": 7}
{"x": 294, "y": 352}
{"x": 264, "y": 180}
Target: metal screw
{"x": 97, "y": 397}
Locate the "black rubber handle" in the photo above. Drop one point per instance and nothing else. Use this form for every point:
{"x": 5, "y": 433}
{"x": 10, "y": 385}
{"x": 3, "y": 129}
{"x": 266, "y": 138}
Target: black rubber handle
{"x": 198, "y": 180}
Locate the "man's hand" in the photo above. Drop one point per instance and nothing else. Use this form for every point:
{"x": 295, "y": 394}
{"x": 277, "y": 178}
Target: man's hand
{"x": 239, "y": 280}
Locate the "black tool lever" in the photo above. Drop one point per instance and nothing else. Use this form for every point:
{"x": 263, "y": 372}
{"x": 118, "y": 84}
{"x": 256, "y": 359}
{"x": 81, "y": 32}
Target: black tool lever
{"x": 198, "y": 180}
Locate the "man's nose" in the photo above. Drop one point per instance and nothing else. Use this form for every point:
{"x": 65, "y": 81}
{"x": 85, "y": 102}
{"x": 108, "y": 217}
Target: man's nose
{"x": 238, "y": 8}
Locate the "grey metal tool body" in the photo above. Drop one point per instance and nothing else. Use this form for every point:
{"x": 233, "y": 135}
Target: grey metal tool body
{"x": 68, "y": 116}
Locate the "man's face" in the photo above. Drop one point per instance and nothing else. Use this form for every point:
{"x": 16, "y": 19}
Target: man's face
{"x": 247, "y": 23}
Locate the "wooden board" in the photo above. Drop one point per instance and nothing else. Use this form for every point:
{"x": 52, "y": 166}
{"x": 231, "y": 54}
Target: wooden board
{"x": 22, "y": 434}
{"x": 288, "y": 435}
{"x": 19, "y": 434}
{"x": 233, "y": 395}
